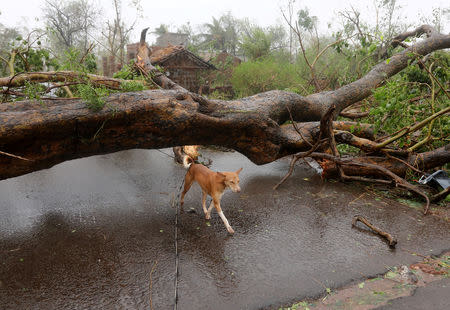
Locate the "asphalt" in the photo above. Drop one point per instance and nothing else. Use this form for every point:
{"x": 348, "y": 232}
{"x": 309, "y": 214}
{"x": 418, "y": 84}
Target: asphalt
{"x": 98, "y": 233}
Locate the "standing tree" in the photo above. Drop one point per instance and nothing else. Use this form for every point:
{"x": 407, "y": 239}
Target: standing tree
{"x": 161, "y": 29}
{"x": 222, "y": 33}
{"x": 117, "y": 33}
{"x": 257, "y": 43}
{"x": 9, "y": 37}
{"x": 70, "y": 23}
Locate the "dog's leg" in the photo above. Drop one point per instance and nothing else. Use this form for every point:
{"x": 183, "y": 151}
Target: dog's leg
{"x": 188, "y": 180}
{"x": 222, "y": 216}
{"x": 204, "y": 202}
{"x": 208, "y": 214}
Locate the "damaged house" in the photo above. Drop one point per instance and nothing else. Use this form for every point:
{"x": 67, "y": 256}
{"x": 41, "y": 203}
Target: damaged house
{"x": 182, "y": 66}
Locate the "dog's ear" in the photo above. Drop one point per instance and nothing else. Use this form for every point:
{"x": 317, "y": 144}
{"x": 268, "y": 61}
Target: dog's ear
{"x": 223, "y": 176}
{"x": 238, "y": 171}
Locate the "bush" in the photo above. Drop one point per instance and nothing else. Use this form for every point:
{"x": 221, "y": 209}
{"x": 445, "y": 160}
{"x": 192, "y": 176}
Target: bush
{"x": 257, "y": 76}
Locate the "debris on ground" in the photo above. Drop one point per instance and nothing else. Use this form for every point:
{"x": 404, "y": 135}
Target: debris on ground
{"x": 392, "y": 241}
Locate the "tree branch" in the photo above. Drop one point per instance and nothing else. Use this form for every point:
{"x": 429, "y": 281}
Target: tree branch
{"x": 59, "y": 76}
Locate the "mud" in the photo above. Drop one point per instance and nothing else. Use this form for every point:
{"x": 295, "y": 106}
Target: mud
{"x": 87, "y": 233}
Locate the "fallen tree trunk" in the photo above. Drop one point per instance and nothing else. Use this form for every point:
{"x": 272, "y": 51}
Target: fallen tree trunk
{"x": 63, "y": 130}
{"x": 52, "y": 131}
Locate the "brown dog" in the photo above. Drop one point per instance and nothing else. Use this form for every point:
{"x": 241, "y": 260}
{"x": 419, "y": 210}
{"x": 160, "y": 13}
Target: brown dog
{"x": 212, "y": 184}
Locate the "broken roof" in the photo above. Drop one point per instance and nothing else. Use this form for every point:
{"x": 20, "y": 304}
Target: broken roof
{"x": 162, "y": 55}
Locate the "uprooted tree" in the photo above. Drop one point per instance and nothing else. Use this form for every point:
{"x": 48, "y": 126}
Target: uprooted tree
{"x": 36, "y": 135}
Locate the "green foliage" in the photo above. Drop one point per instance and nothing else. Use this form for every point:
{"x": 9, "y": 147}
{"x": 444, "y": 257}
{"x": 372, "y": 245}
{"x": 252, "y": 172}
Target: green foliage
{"x": 406, "y": 99}
{"x": 257, "y": 43}
{"x": 347, "y": 149}
{"x": 306, "y": 21}
{"x": 33, "y": 90}
{"x": 262, "y": 75}
{"x": 129, "y": 86}
{"x": 162, "y": 29}
{"x": 73, "y": 60}
{"x": 90, "y": 63}
{"x": 126, "y": 73}
{"x": 218, "y": 95}
{"x": 415, "y": 74}
{"x": 93, "y": 96}
{"x": 26, "y": 54}
{"x": 31, "y": 60}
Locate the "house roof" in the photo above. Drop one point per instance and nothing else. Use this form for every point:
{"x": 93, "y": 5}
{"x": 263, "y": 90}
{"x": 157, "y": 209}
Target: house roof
{"x": 160, "y": 56}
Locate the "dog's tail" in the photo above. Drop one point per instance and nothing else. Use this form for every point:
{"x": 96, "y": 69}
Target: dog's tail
{"x": 187, "y": 161}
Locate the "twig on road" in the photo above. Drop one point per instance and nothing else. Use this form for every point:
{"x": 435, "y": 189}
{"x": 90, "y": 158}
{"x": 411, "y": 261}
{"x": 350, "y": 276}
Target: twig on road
{"x": 392, "y": 240}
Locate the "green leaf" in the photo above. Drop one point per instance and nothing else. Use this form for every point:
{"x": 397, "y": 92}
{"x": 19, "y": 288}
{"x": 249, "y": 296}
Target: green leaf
{"x": 388, "y": 61}
{"x": 390, "y": 275}
{"x": 361, "y": 285}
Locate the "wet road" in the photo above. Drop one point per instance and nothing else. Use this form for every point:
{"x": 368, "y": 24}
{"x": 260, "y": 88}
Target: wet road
{"x": 87, "y": 233}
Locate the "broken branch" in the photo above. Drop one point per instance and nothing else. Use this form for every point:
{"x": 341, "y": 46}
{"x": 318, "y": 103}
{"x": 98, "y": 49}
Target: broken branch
{"x": 326, "y": 119}
{"x": 392, "y": 240}
{"x": 441, "y": 195}
{"x": 398, "y": 181}
{"x": 14, "y": 156}
{"x": 59, "y": 76}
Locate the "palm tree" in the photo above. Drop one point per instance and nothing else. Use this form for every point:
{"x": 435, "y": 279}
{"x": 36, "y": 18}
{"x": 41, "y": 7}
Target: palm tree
{"x": 216, "y": 34}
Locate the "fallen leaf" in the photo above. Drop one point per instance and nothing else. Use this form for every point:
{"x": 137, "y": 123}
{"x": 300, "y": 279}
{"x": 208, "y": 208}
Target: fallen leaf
{"x": 390, "y": 275}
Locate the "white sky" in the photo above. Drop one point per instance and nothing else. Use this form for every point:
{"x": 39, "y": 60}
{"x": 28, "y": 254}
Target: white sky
{"x": 26, "y": 13}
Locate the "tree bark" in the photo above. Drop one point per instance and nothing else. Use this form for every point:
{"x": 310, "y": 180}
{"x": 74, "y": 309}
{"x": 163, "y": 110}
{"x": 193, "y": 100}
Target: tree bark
{"x": 52, "y": 131}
